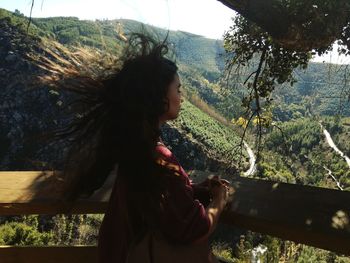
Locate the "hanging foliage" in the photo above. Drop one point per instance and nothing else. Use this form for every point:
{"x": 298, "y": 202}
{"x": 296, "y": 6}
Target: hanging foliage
{"x": 299, "y": 24}
{"x": 259, "y": 63}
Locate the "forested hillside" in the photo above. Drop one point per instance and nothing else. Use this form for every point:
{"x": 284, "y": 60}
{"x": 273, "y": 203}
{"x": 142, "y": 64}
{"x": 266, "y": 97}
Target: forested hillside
{"x": 302, "y": 155}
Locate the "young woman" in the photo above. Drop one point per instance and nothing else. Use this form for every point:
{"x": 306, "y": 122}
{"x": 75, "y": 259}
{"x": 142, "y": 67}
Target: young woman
{"x": 153, "y": 213}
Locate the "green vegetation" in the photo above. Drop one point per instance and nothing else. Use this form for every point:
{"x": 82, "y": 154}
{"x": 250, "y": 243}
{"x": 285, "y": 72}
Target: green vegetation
{"x": 300, "y": 153}
{"x": 14, "y": 233}
{"x": 258, "y": 64}
{"x": 57, "y": 230}
{"x": 220, "y": 139}
{"x": 20, "y": 21}
{"x": 189, "y": 49}
{"x": 320, "y": 90}
{"x": 72, "y": 31}
{"x": 224, "y": 252}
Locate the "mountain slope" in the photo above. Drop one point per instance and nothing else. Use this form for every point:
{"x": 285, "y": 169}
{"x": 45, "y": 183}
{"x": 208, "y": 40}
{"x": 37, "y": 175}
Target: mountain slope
{"x": 190, "y": 49}
{"x": 30, "y": 110}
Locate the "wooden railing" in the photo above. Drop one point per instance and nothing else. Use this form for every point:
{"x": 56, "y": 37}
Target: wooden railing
{"x": 315, "y": 216}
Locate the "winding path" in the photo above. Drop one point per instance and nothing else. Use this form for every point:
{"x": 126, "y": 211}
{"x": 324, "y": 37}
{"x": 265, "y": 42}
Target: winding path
{"x": 332, "y": 176}
{"x": 252, "y": 161}
{"x": 335, "y": 148}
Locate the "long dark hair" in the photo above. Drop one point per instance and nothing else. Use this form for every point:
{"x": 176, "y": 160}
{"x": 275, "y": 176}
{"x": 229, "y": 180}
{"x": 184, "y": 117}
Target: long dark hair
{"x": 118, "y": 120}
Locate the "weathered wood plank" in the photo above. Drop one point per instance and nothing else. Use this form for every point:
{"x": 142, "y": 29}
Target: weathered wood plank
{"x": 310, "y": 215}
{"x": 22, "y": 186}
{"x": 72, "y": 254}
{"x": 32, "y": 186}
{"x": 36, "y": 192}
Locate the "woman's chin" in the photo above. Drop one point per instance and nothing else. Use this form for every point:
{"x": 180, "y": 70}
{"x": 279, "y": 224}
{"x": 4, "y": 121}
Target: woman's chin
{"x": 175, "y": 116}
{"x": 169, "y": 117}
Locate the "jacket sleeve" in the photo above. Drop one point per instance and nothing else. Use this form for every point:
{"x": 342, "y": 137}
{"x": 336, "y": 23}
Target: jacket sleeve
{"x": 183, "y": 219}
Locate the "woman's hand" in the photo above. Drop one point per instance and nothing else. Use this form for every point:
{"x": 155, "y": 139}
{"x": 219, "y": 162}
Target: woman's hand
{"x": 206, "y": 182}
{"x": 219, "y": 189}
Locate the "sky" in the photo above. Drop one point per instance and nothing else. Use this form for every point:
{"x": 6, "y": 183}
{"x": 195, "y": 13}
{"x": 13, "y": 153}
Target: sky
{"x": 211, "y": 19}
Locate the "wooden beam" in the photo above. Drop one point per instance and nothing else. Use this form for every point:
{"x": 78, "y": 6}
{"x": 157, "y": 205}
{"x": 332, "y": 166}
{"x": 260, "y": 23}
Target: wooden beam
{"x": 22, "y": 186}
{"x": 54, "y": 254}
{"x": 310, "y": 215}
{"x": 38, "y": 192}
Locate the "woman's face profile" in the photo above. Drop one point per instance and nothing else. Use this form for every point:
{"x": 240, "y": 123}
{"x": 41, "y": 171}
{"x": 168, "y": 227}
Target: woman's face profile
{"x": 174, "y": 99}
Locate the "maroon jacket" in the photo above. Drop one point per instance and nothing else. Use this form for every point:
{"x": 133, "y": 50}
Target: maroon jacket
{"x": 184, "y": 219}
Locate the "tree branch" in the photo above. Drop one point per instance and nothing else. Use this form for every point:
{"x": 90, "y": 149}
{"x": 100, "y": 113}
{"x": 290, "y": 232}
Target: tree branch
{"x": 257, "y": 101}
{"x": 30, "y": 16}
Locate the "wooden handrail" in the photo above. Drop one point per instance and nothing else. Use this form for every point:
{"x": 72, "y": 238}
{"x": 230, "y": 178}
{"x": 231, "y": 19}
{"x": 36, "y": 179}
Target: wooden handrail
{"x": 52, "y": 254}
{"x": 36, "y": 192}
{"x": 310, "y": 215}
{"x": 315, "y": 216}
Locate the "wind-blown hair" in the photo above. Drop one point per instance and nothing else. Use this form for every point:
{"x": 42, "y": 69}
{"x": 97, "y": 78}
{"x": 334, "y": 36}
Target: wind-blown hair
{"x": 118, "y": 121}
